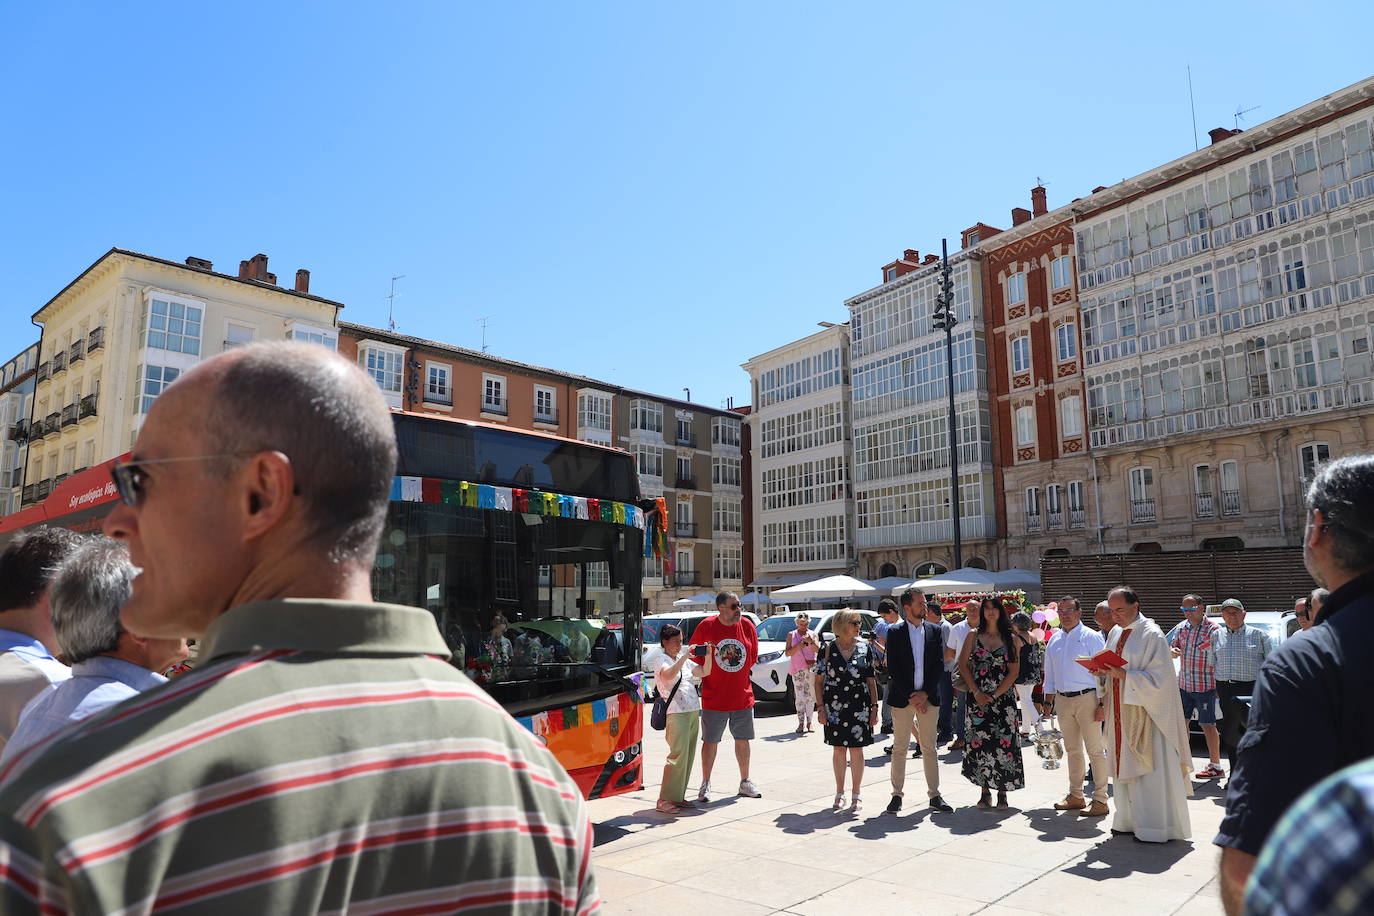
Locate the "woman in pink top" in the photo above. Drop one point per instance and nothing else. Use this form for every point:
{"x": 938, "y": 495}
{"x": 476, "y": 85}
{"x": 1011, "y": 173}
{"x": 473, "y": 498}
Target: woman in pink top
{"x": 801, "y": 649}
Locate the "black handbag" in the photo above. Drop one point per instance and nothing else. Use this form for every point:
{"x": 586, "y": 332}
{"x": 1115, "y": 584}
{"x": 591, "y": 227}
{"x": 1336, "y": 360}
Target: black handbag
{"x": 658, "y": 716}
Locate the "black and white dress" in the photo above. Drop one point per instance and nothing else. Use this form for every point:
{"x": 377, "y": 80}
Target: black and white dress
{"x": 844, "y": 694}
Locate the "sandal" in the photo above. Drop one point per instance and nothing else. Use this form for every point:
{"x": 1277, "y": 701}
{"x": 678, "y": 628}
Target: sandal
{"x": 856, "y": 805}
{"x": 801, "y": 728}
{"x": 810, "y": 727}
{"x": 665, "y": 807}
{"x": 1002, "y": 801}
{"x": 839, "y": 802}
{"x": 985, "y": 800}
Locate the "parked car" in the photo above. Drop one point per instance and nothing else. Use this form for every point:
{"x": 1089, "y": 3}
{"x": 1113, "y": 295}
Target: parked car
{"x": 769, "y": 676}
{"x": 687, "y": 620}
{"x": 1280, "y": 625}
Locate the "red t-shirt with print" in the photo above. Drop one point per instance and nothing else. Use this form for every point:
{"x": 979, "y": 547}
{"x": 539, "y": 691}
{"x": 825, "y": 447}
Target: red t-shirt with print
{"x": 727, "y": 687}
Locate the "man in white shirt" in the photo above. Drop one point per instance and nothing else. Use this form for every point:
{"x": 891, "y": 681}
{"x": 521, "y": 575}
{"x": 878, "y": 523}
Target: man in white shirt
{"x": 954, "y": 641}
{"x": 1074, "y": 694}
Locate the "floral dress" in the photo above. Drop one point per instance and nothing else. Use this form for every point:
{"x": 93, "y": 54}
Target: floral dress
{"x": 993, "y": 756}
{"x": 844, "y": 692}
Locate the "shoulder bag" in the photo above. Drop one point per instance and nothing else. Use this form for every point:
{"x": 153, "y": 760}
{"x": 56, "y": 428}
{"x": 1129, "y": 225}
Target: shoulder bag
{"x": 658, "y": 716}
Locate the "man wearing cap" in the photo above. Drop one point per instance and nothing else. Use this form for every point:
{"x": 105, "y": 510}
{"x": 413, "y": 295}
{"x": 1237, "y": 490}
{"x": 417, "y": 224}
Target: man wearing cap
{"x": 1239, "y": 651}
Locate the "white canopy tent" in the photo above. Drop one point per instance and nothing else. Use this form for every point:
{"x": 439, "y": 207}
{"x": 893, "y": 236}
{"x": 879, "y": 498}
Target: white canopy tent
{"x": 700, "y": 598}
{"x": 891, "y": 585}
{"x": 755, "y": 598}
{"x": 966, "y": 579}
{"x": 1027, "y": 580}
{"x": 828, "y": 587}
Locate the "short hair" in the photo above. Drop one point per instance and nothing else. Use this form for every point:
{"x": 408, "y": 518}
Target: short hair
{"x": 844, "y": 617}
{"x": 1022, "y": 621}
{"x": 1318, "y": 595}
{"x": 909, "y": 596}
{"x": 1126, "y": 592}
{"x": 1191, "y": 597}
{"x": 1344, "y": 492}
{"x": 933, "y": 607}
{"x": 86, "y": 596}
{"x": 802, "y": 615}
{"x": 668, "y": 632}
{"x": 329, "y": 418}
{"x": 887, "y": 606}
{"x": 498, "y": 619}
{"x": 29, "y": 563}
{"x": 725, "y": 598}
{"x": 1069, "y": 599}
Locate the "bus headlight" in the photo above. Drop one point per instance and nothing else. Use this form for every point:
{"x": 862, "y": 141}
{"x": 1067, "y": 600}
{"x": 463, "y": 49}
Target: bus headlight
{"x": 619, "y": 757}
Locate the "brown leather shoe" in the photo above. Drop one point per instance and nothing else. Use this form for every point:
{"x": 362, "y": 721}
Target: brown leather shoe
{"x": 1072, "y": 803}
{"x": 1096, "y": 809}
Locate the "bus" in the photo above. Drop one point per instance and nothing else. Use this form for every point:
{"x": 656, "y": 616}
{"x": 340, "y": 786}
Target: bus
{"x": 526, "y": 547}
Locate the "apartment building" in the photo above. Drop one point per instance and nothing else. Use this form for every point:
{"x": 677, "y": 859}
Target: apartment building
{"x": 1043, "y": 471}
{"x": 16, "y": 400}
{"x": 686, "y": 453}
{"x": 802, "y": 495}
{"x": 128, "y": 326}
{"x": 900, "y": 415}
{"x": 1227, "y": 300}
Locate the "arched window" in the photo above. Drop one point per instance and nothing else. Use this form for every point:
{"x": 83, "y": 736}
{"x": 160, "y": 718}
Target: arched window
{"x": 887, "y": 570}
{"x": 977, "y": 563}
{"x": 931, "y": 568}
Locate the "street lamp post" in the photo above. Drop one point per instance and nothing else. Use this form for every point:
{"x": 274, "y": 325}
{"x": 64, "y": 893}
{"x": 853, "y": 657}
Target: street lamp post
{"x": 945, "y": 320}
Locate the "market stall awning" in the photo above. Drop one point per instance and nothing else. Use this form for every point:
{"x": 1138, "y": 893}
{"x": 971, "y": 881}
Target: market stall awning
{"x": 828, "y": 587}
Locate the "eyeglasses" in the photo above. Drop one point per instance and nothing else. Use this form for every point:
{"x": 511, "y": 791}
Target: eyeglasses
{"x": 735, "y": 606}
{"x": 128, "y": 478}
{"x": 1188, "y": 610}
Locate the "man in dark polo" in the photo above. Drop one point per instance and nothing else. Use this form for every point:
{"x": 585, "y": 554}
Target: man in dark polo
{"x": 324, "y": 756}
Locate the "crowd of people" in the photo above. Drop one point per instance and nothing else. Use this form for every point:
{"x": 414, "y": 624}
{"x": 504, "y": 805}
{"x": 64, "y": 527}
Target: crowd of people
{"x": 1291, "y": 718}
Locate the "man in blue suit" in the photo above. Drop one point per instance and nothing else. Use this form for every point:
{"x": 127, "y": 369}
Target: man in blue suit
{"x": 915, "y": 661}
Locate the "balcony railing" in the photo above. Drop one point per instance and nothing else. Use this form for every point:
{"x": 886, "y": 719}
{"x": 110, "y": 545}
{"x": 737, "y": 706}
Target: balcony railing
{"x": 685, "y": 483}
{"x": 44, "y": 488}
{"x": 19, "y": 432}
{"x": 1230, "y": 502}
{"x": 1075, "y": 518}
{"x": 1142, "y": 510}
{"x": 77, "y": 352}
{"x": 52, "y": 424}
{"x": 685, "y": 529}
{"x": 686, "y": 577}
{"x": 546, "y": 416}
{"x": 96, "y": 340}
{"x": 69, "y": 415}
{"x": 1056, "y": 519}
{"x": 59, "y": 362}
{"x": 29, "y": 495}
{"x": 688, "y": 439}
{"x": 496, "y": 407}
{"x": 42, "y": 374}
{"x": 88, "y": 405}
{"x": 1033, "y": 522}
{"x": 16, "y": 477}
{"x": 1206, "y": 506}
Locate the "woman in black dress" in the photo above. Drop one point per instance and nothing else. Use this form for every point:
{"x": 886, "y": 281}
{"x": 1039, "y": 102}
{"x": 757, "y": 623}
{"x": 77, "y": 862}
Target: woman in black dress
{"x": 988, "y": 662}
{"x": 848, "y": 689}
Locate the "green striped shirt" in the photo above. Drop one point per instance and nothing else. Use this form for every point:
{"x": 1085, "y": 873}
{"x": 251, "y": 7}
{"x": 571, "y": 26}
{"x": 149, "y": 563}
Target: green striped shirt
{"x": 324, "y": 758}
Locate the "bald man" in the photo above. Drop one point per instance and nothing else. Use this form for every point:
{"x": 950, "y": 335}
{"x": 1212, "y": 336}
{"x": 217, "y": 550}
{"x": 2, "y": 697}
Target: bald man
{"x": 324, "y": 756}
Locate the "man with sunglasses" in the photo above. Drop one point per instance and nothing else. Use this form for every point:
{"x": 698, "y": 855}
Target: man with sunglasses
{"x": 1193, "y": 643}
{"x": 324, "y": 755}
{"x": 727, "y": 696}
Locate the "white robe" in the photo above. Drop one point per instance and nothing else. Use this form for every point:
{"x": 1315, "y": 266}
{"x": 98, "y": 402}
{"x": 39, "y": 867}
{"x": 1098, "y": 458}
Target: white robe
{"x": 1150, "y": 779}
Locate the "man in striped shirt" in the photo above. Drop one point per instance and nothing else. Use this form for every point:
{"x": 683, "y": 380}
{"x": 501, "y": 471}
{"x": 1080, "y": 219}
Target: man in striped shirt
{"x": 323, "y": 757}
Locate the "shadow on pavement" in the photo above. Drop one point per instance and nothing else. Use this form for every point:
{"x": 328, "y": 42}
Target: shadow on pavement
{"x": 805, "y": 824}
{"x": 1061, "y": 825}
{"x": 1122, "y": 855}
{"x": 882, "y": 825}
{"x": 1212, "y": 789}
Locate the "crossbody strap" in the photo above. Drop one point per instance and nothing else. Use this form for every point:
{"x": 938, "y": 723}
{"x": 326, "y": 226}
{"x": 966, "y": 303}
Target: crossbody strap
{"x": 673, "y": 692}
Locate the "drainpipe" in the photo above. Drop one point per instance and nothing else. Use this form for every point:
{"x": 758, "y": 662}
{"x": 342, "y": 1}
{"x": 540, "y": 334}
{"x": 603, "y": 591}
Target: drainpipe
{"x": 1278, "y": 482}
{"x": 1097, "y": 501}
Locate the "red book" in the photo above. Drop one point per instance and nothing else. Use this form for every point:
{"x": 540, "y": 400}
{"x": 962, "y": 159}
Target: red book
{"x": 1101, "y": 661}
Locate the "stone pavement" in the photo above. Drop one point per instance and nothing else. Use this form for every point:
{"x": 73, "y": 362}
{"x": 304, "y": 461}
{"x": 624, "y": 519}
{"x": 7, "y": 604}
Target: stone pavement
{"x": 788, "y": 853}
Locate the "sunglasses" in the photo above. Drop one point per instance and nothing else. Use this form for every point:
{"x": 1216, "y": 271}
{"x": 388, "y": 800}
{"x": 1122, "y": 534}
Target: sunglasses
{"x": 735, "y": 606}
{"x": 128, "y": 475}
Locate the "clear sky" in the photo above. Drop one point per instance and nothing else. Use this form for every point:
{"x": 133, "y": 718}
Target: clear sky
{"x": 647, "y": 193}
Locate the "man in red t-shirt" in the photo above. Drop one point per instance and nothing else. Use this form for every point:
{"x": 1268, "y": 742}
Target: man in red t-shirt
{"x": 727, "y": 697}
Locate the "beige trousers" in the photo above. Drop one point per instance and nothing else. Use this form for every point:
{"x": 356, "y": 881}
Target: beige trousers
{"x": 926, "y": 723}
{"x": 1080, "y": 731}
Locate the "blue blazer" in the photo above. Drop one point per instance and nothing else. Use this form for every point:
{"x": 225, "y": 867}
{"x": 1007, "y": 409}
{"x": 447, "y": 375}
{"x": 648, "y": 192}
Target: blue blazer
{"x": 900, "y": 670}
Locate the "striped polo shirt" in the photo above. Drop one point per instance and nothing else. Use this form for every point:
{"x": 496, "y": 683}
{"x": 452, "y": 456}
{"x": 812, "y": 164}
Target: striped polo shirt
{"x": 325, "y": 758}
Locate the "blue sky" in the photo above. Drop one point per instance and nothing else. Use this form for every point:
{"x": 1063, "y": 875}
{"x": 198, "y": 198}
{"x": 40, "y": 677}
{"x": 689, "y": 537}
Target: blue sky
{"x": 645, "y": 193}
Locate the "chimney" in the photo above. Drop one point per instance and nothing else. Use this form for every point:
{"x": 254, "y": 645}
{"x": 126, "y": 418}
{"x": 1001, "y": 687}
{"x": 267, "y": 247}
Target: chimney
{"x": 200, "y": 263}
{"x": 912, "y": 255}
{"x": 255, "y": 268}
{"x": 930, "y": 259}
{"x": 245, "y": 271}
{"x": 302, "y": 281}
{"x": 1020, "y": 215}
{"x": 1038, "y": 205}
{"x": 1221, "y": 133}
{"x": 1101, "y": 187}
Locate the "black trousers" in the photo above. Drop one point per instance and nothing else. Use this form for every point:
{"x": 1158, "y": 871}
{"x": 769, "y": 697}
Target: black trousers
{"x": 1234, "y": 715}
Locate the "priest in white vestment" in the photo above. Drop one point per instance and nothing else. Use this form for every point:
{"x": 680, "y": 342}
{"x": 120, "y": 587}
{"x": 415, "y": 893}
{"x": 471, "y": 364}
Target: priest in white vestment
{"x": 1146, "y": 734}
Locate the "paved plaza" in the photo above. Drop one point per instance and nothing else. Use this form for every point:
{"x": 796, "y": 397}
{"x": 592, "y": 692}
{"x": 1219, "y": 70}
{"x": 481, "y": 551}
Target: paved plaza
{"x": 788, "y": 853}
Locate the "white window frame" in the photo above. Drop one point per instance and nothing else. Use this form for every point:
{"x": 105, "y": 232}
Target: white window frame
{"x": 1061, "y": 272}
{"x": 1016, "y": 289}
{"x": 1071, "y": 416}
{"x": 1025, "y": 425}
{"x": 310, "y": 333}
{"x": 1066, "y": 341}
{"x": 145, "y": 396}
{"x": 499, "y": 405}
{"x": 1032, "y": 502}
{"x": 593, "y": 409}
{"x": 551, "y": 415}
{"x": 1142, "y": 484}
{"x": 443, "y": 398}
{"x": 1311, "y": 457}
{"x": 642, "y": 415}
{"x": 1020, "y": 353}
{"x": 172, "y": 299}
{"x": 231, "y": 326}
{"x": 386, "y": 352}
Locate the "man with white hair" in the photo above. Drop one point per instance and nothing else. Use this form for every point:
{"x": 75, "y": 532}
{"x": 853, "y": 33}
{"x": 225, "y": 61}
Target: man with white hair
{"x": 109, "y": 664}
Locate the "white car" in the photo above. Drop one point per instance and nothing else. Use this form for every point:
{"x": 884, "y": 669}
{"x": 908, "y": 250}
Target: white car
{"x": 687, "y": 620}
{"x": 769, "y": 676}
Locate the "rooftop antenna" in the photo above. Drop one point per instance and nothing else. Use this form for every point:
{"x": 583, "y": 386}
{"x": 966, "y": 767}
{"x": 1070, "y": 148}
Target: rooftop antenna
{"x": 1192, "y": 107}
{"x": 1242, "y": 112}
{"x": 391, "y": 302}
{"x": 483, "y": 322}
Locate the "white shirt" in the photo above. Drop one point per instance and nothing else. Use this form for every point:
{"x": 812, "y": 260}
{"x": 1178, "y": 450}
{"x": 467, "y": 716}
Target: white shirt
{"x": 954, "y": 639}
{"x": 1062, "y": 673}
{"x": 916, "y": 635}
{"x": 687, "y": 698}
